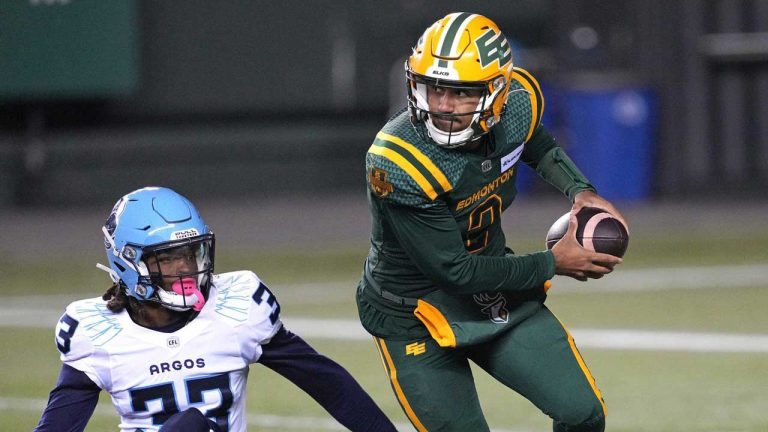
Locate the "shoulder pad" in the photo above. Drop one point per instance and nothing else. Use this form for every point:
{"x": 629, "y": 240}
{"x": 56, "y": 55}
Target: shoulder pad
{"x": 243, "y": 301}
{"x": 535, "y": 96}
{"x": 234, "y": 294}
{"x": 86, "y": 325}
{"x": 400, "y": 170}
{"x": 242, "y": 297}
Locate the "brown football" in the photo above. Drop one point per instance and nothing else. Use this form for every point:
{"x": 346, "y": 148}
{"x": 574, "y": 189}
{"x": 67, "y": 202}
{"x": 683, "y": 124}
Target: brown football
{"x": 596, "y": 230}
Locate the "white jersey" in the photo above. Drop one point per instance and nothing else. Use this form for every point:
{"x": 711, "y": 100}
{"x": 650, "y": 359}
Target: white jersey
{"x": 151, "y": 375}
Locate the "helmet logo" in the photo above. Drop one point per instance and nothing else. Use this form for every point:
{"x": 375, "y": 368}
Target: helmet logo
{"x": 111, "y": 223}
{"x": 492, "y": 46}
{"x": 117, "y": 210}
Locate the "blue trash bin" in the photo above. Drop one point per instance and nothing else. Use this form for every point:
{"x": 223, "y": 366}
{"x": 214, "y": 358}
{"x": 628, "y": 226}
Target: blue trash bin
{"x": 610, "y": 133}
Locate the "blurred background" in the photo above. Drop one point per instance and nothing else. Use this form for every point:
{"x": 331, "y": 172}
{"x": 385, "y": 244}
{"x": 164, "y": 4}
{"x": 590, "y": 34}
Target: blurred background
{"x": 261, "y": 113}
{"x": 247, "y": 98}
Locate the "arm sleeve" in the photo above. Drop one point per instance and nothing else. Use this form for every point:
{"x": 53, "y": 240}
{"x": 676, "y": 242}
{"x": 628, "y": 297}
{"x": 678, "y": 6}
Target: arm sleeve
{"x": 431, "y": 239}
{"x": 325, "y": 381}
{"x": 553, "y": 165}
{"x": 70, "y": 403}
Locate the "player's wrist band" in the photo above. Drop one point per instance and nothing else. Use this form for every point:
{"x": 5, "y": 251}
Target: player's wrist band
{"x": 560, "y": 171}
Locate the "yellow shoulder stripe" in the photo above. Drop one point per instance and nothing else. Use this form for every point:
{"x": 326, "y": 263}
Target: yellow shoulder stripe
{"x": 534, "y": 93}
{"x": 428, "y": 164}
{"x": 407, "y": 167}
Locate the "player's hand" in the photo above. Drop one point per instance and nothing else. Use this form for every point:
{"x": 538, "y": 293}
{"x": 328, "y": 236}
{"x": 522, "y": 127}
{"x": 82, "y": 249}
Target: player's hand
{"x": 572, "y": 259}
{"x": 591, "y": 199}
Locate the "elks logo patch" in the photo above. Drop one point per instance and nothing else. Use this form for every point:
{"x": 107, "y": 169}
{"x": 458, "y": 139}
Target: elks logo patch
{"x": 379, "y": 184}
{"x": 495, "y": 306}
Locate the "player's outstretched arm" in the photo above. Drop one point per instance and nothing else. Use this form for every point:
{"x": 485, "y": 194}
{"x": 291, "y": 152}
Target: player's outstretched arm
{"x": 571, "y": 259}
{"x": 71, "y": 402}
{"x": 325, "y": 381}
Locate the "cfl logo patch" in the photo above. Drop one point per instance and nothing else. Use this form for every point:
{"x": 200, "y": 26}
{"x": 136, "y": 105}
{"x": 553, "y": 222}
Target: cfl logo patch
{"x": 173, "y": 342}
{"x": 415, "y": 348}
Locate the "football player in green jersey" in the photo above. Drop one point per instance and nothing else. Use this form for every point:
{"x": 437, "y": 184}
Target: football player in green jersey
{"x": 440, "y": 287}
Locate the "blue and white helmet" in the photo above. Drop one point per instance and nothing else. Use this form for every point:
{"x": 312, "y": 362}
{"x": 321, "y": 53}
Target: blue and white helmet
{"x": 154, "y": 220}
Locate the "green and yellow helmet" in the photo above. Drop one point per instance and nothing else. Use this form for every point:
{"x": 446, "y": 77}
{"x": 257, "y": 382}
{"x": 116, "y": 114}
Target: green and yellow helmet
{"x": 463, "y": 51}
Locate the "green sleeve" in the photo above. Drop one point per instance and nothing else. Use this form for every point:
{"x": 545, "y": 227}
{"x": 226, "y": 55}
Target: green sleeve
{"x": 553, "y": 165}
{"x": 432, "y": 241}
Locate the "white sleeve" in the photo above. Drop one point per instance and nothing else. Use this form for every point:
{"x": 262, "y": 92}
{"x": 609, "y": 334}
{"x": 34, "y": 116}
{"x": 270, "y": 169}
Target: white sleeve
{"x": 74, "y": 339}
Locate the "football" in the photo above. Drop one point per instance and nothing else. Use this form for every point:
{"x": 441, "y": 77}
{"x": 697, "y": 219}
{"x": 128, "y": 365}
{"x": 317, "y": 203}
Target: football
{"x": 596, "y": 230}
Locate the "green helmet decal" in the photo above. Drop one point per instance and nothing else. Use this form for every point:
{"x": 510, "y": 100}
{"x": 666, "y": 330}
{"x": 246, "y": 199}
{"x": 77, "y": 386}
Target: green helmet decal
{"x": 450, "y": 35}
{"x": 492, "y": 46}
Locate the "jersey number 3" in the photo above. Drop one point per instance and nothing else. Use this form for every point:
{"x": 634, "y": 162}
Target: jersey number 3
{"x": 67, "y": 327}
{"x": 195, "y": 389}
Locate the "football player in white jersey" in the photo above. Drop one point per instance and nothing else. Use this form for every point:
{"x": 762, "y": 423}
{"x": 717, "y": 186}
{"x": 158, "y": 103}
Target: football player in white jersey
{"x": 172, "y": 343}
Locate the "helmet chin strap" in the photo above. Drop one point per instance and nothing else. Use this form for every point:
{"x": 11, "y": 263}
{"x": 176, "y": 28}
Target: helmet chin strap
{"x": 448, "y": 139}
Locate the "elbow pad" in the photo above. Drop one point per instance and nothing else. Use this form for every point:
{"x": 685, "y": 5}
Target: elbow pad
{"x": 560, "y": 171}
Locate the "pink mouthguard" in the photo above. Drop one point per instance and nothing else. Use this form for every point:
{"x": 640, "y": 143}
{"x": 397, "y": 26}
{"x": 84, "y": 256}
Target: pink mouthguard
{"x": 188, "y": 286}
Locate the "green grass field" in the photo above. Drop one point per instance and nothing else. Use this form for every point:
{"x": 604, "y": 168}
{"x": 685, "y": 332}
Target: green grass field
{"x": 644, "y": 390}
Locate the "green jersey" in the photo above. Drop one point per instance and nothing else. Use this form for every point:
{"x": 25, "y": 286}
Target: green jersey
{"x": 436, "y": 212}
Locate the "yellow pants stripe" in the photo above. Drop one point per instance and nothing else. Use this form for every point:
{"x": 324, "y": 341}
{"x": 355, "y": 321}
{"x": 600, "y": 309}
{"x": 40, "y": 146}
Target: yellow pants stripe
{"x": 585, "y": 369}
{"x": 389, "y": 367}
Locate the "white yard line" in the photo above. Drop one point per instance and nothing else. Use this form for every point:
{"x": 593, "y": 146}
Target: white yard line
{"x": 44, "y": 311}
{"x": 610, "y": 339}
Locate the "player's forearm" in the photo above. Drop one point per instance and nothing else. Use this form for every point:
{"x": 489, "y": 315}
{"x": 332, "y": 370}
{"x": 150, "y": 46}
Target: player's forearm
{"x": 70, "y": 404}
{"x": 553, "y": 165}
{"x": 560, "y": 171}
{"x": 325, "y": 381}
{"x": 475, "y": 274}
{"x": 438, "y": 251}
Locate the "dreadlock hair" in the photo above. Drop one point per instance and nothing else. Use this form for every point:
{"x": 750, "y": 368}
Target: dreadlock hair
{"x": 116, "y": 298}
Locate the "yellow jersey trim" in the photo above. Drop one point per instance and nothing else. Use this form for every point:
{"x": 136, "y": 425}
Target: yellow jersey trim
{"x": 403, "y": 163}
{"x": 534, "y": 94}
{"x": 421, "y": 157}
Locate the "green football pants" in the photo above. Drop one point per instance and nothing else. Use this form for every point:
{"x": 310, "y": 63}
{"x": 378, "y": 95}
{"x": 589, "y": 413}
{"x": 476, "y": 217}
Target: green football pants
{"x": 537, "y": 358}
